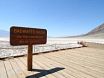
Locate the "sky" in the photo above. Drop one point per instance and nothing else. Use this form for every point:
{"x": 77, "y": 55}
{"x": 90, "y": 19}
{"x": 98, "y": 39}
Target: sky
{"x": 59, "y": 17}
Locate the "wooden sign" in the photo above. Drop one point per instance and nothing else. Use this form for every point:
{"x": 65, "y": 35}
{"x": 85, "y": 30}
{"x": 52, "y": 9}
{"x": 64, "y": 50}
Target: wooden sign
{"x": 27, "y": 36}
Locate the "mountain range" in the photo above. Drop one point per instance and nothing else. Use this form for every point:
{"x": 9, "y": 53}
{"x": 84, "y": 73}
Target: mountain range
{"x": 4, "y": 33}
{"x": 97, "y": 32}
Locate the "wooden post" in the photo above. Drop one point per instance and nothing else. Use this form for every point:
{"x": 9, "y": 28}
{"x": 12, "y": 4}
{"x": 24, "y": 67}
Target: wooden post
{"x": 29, "y": 58}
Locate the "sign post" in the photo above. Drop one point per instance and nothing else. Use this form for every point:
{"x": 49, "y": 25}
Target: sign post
{"x": 27, "y": 36}
{"x": 29, "y": 58}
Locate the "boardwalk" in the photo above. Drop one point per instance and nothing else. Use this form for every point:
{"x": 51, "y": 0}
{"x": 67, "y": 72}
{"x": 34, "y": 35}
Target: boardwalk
{"x": 73, "y": 63}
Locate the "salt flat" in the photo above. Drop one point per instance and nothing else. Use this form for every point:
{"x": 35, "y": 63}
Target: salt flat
{"x": 6, "y": 50}
{"x": 66, "y": 40}
{"x": 4, "y": 38}
{"x": 75, "y": 40}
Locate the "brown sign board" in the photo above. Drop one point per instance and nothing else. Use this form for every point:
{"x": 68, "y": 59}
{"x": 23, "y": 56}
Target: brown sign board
{"x": 27, "y": 36}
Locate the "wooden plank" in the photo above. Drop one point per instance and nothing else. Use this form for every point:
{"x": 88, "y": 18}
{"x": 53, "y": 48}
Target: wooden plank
{"x": 90, "y": 59}
{"x": 91, "y": 53}
{"x": 77, "y": 71}
{"x": 10, "y": 72}
{"x": 90, "y": 71}
{"x": 53, "y": 75}
{"x": 3, "y": 73}
{"x": 94, "y": 49}
{"x": 51, "y": 64}
{"x": 70, "y": 71}
{"x": 83, "y": 62}
{"x": 17, "y": 69}
{"x": 79, "y": 67}
{"x": 43, "y": 72}
{"x": 35, "y": 66}
{"x": 23, "y": 67}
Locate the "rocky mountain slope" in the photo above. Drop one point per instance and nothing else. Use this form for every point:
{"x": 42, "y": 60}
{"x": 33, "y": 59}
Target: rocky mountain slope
{"x": 97, "y": 32}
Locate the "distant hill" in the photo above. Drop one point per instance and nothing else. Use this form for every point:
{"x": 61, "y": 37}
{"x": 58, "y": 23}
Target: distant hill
{"x": 97, "y": 32}
{"x": 4, "y": 33}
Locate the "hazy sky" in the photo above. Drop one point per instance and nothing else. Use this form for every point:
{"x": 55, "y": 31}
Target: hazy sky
{"x": 59, "y": 17}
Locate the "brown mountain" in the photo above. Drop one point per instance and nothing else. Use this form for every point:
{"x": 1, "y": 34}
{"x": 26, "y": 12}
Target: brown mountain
{"x": 97, "y": 32}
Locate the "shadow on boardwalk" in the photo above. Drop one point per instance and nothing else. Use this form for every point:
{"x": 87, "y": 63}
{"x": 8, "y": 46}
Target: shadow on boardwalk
{"x": 44, "y": 72}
